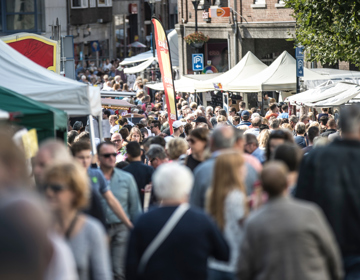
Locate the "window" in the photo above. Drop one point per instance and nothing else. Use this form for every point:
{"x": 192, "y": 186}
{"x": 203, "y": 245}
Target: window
{"x": 258, "y": 4}
{"x": 21, "y": 15}
{"x": 79, "y": 4}
{"x": 281, "y": 4}
{"x": 92, "y": 3}
{"x": 104, "y": 3}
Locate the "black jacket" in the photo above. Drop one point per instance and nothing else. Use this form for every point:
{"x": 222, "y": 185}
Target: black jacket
{"x": 328, "y": 132}
{"x": 330, "y": 177}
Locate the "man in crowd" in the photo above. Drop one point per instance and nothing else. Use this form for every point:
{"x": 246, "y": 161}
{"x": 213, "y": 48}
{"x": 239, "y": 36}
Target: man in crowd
{"x": 255, "y": 130}
{"x": 155, "y": 128}
{"x": 242, "y": 106}
{"x": 331, "y": 128}
{"x": 210, "y": 111}
{"x": 124, "y": 188}
{"x": 304, "y": 119}
{"x": 312, "y": 133}
{"x": 222, "y": 138}
{"x": 329, "y": 176}
{"x": 141, "y": 172}
{"x": 284, "y": 114}
{"x": 287, "y": 237}
{"x": 274, "y": 124}
{"x": 252, "y": 147}
{"x": 245, "y": 116}
{"x": 199, "y": 120}
{"x": 81, "y": 151}
{"x": 236, "y": 121}
{"x": 293, "y": 120}
{"x": 117, "y": 140}
{"x": 273, "y": 111}
{"x": 178, "y": 127}
{"x": 156, "y": 155}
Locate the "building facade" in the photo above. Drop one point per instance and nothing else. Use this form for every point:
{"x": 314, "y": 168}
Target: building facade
{"x": 260, "y": 26}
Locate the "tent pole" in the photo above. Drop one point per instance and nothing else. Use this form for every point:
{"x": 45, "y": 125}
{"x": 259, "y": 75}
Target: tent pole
{"x": 92, "y": 135}
{"x": 101, "y": 135}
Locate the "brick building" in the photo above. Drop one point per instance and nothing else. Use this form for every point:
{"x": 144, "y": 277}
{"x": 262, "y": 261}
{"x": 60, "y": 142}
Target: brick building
{"x": 260, "y": 26}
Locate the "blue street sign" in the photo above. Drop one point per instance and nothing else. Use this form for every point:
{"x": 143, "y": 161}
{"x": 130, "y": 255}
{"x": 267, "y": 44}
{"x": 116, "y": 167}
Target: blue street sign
{"x": 300, "y": 67}
{"x": 197, "y": 62}
{"x": 299, "y": 53}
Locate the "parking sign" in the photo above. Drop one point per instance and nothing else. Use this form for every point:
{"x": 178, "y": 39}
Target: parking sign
{"x": 197, "y": 62}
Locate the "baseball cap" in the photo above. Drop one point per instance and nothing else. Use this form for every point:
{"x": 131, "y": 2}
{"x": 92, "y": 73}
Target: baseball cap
{"x": 200, "y": 120}
{"x": 177, "y": 124}
{"x": 245, "y": 113}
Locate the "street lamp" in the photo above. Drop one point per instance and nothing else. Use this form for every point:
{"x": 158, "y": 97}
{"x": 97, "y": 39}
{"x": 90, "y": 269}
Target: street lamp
{"x": 152, "y": 6}
{"x": 196, "y": 4}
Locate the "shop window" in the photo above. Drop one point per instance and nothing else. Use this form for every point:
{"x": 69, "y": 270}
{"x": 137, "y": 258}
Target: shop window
{"x": 259, "y": 4}
{"x": 104, "y": 3}
{"x": 79, "y": 4}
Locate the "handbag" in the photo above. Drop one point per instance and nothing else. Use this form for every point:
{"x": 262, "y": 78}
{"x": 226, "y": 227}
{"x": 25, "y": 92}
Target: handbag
{"x": 162, "y": 235}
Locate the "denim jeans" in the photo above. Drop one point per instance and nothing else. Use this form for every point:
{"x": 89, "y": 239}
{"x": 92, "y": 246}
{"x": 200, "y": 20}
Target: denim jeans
{"x": 352, "y": 267}
{"x": 220, "y": 275}
{"x": 118, "y": 234}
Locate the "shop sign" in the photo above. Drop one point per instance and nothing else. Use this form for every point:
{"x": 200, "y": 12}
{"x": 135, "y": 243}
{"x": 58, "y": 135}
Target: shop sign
{"x": 219, "y": 12}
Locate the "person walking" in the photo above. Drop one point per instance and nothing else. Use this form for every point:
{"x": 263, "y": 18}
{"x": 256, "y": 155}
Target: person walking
{"x": 287, "y": 238}
{"x": 182, "y": 251}
{"x": 226, "y": 203}
{"x": 198, "y": 142}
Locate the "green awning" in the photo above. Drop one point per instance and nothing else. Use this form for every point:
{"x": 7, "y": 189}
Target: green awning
{"x": 48, "y": 121}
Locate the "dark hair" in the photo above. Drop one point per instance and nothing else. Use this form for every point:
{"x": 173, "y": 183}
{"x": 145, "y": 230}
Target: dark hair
{"x": 349, "y": 118}
{"x": 158, "y": 140}
{"x": 273, "y": 107}
{"x": 133, "y": 149}
{"x": 242, "y": 104}
{"x": 263, "y": 126}
{"x": 201, "y": 133}
{"x": 313, "y": 132}
{"x": 304, "y": 117}
{"x": 222, "y": 112}
{"x": 233, "y": 110}
{"x": 251, "y": 138}
{"x": 278, "y": 134}
{"x": 124, "y": 132}
{"x": 323, "y": 120}
{"x": 156, "y": 123}
{"x": 246, "y": 117}
{"x": 122, "y": 164}
{"x": 285, "y": 107}
{"x": 107, "y": 112}
{"x": 290, "y": 154}
{"x": 331, "y": 123}
{"x": 187, "y": 128}
{"x": 71, "y": 136}
{"x": 123, "y": 121}
{"x": 98, "y": 148}
{"x": 274, "y": 178}
{"x": 80, "y": 146}
{"x": 236, "y": 119}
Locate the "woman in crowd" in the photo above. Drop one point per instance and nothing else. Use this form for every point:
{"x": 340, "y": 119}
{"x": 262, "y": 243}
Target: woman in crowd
{"x": 198, "y": 141}
{"x": 67, "y": 191}
{"x": 176, "y": 149}
{"x": 226, "y": 203}
{"x": 277, "y": 138}
{"x": 135, "y": 135}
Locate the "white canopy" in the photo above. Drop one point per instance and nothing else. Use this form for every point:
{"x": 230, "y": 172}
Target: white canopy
{"x": 138, "y": 58}
{"x": 141, "y": 67}
{"x": 24, "y": 76}
{"x": 280, "y": 75}
{"x": 248, "y": 66}
{"x": 326, "y": 96}
{"x": 4, "y": 115}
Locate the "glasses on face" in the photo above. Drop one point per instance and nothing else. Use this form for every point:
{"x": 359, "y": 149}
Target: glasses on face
{"x": 108, "y": 155}
{"x": 54, "y": 187}
{"x": 116, "y": 141}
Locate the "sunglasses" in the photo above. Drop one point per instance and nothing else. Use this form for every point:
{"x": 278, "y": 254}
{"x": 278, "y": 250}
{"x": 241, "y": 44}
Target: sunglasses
{"x": 115, "y": 141}
{"x": 109, "y": 155}
{"x": 54, "y": 188}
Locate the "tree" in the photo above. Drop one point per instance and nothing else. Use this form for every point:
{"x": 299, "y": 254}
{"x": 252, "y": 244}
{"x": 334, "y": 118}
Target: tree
{"x": 328, "y": 29}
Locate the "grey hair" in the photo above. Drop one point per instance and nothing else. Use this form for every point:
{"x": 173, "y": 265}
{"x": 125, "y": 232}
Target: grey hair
{"x": 156, "y": 151}
{"x": 349, "y": 118}
{"x": 293, "y": 119}
{"x": 116, "y": 134}
{"x": 172, "y": 181}
{"x": 210, "y": 108}
{"x": 202, "y": 108}
{"x": 275, "y": 123}
{"x": 239, "y": 134}
{"x": 57, "y": 150}
{"x": 300, "y": 128}
{"x": 223, "y": 137}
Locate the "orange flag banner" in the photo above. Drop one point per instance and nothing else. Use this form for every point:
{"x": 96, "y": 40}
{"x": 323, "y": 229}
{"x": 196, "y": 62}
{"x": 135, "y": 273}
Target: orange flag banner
{"x": 163, "y": 54}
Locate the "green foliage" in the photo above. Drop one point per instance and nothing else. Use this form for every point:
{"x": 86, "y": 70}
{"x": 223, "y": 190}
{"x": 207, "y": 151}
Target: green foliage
{"x": 328, "y": 29}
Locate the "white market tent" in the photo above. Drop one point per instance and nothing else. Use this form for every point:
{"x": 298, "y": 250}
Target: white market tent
{"x": 140, "y": 67}
{"x": 24, "y": 76}
{"x": 280, "y": 75}
{"x": 326, "y": 96}
{"x": 185, "y": 83}
{"x": 248, "y": 66}
{"x": 138, "y": 58}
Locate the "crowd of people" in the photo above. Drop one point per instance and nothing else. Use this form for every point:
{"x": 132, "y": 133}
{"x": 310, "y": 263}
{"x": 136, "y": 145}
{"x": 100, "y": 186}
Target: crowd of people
{"x": 219, "y": 195}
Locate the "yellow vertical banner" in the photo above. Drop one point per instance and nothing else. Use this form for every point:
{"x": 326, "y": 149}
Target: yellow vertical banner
{"x": 163, "y": 54}
{"x": 30, "y": 142}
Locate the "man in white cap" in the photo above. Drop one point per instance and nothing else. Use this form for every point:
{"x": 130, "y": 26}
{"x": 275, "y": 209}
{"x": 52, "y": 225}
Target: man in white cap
{"x": 178, "y": 127}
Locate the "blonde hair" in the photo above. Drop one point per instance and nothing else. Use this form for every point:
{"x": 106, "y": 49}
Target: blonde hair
{"x": 176, "y": 147}
{"x": 221, "y": 118}
{"x": 133, "y": 131}
{"x": 226, "y": 179}
{"x": 76, "y": 179}
{"x": 263, "y": 138}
